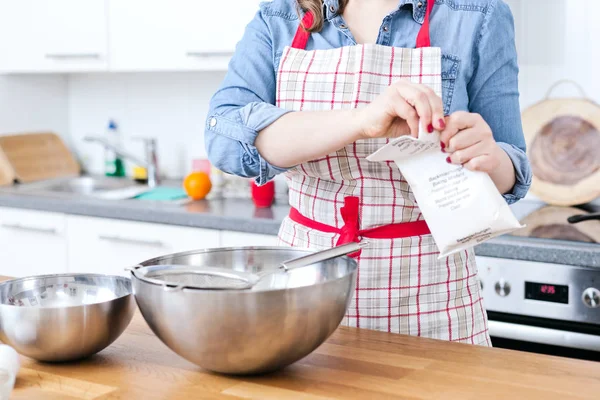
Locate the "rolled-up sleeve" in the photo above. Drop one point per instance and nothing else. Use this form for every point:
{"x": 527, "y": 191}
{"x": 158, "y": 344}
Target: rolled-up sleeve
{"x": 243, "y": 106}
{"x": 494, "y": 93}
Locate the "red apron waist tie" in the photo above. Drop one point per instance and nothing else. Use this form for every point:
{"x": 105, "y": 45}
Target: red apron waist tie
{"x": 351, "y": 231}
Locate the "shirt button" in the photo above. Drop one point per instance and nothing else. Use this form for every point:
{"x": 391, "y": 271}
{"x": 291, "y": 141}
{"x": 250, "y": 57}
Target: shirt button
{"x": 420, "y": 4}
{"x": 331, "y": 8}
{"x": 213, "y": 122}
{"x": 342, "y": 26}
{"x": 385, "y": 28}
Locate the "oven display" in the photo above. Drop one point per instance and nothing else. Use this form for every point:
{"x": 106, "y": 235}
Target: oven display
{"x": 547, "y": 292}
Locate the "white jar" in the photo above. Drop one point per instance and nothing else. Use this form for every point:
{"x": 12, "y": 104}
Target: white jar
{"x": 9, "y": 367}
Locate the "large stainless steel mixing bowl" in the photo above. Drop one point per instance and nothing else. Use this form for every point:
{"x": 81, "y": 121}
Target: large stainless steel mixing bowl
{"x": 278, "y": 322}
{"x": 64, "y": 317}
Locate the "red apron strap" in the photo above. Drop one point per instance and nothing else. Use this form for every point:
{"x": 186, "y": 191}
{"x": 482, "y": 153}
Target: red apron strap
{"x": 351, "y": 231}
{"x": 423, "y": 39}
{"x": 302, "y": 35}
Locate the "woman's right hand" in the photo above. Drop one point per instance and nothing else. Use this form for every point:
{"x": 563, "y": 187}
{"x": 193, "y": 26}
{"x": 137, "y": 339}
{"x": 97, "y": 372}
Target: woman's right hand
{"x": 398, "y": 111}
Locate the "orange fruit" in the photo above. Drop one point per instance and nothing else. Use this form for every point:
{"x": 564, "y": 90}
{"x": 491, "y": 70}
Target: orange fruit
{"x": 197, "y": 185}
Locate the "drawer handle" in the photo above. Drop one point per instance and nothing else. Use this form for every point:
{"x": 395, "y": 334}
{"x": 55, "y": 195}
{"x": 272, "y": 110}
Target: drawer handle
{"x": 138, "y": 242}
{"x": 49, "y": 231}
{"x": 66, "y": 56}
{"x": 207, "y": 54}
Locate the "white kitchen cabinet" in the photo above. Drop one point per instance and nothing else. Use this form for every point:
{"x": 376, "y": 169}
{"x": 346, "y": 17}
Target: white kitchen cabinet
{"x": 53, "y": 36}
{"x": 240, "y": 239}
{"x": 107, "y": 246}
{"x": 32, "y": 243}
{"x": 154, "y": 35}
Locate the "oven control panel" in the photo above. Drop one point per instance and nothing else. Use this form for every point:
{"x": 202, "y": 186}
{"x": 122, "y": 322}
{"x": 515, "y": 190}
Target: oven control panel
{"x": 540, "y": 289}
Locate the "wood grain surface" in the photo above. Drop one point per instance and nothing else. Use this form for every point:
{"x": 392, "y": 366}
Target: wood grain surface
{"x": 562, "y": 137}
{"x": 550, "y": 222}
{"x": 352, "y": 364}
{"x": 7, "y": 173}
{"x": 38, "y": 156}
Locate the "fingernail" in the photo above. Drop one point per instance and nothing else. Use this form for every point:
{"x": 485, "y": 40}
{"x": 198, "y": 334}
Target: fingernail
{"x": 430, "y": 128}
{"x": 448, "y": 160}
{"x": 442, "y": 145}
{"x": 442, "y": 123}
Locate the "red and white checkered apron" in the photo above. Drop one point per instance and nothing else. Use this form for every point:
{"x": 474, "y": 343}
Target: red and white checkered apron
{"x": 401, "y": 285}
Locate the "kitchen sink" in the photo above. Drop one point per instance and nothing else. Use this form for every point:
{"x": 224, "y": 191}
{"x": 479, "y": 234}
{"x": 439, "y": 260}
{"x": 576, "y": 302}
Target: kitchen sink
{"x": 100, "y": 187}
{"x": 88, "y": 185}
{"x": 92, "y": 187}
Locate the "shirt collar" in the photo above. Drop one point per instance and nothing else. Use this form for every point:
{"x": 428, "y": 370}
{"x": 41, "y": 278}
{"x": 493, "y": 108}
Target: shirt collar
{"x": 418, "y": 8}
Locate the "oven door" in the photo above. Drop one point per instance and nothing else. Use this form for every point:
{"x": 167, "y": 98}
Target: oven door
{"x": 545, "y": 336}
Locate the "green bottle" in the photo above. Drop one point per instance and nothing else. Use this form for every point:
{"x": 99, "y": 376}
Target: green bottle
{"x": 113, "y": 164}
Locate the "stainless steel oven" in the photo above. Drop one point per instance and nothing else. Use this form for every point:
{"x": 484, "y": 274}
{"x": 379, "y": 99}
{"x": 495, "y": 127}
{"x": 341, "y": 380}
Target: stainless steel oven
{"x": 542, "y": 307}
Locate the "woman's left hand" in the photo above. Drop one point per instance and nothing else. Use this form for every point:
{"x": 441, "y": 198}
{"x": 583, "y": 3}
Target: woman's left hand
{"x": 468, "y": 140}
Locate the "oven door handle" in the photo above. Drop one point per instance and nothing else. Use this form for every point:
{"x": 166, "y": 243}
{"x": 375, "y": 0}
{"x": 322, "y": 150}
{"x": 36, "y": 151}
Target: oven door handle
{"x": 535, "y": 334}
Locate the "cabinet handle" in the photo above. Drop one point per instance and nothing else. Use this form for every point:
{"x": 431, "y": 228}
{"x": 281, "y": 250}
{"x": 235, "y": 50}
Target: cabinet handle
{"x": 207, "y": 54}
{"x": 66, "y": 56}
{"x": 49, "y": 231}
{"x": 139, "y": 242}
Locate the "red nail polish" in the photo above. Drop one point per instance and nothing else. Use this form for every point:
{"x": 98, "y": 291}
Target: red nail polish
{"x": 448, "y": 160}
{"x": 442, "y": 145}
{"x": 430, "y": 128}
{"x": 442, "y": 123}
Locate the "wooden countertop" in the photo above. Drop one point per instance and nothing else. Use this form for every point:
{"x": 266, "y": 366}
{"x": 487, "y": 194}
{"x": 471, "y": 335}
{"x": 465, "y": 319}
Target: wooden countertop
{"x": 352, "y": 364}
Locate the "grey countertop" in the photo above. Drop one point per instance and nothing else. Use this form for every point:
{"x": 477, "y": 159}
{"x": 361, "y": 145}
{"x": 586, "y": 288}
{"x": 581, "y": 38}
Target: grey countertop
{"x": 241, "y": 215}
{"x": 227, "y": 214}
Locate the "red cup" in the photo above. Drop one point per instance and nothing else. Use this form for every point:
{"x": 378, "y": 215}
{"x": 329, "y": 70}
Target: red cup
{"x": 264, "y": 195}
{"x": 201, "y": 165}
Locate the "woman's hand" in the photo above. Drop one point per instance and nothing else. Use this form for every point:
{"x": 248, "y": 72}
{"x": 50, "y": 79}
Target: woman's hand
{"x": 468, "y": 140}
{"x": 398, "y": 110}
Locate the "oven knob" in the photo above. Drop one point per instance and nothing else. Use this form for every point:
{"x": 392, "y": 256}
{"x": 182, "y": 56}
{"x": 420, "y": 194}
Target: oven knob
{"x": 591, "y": 297}
{"x": 502, "y": 288}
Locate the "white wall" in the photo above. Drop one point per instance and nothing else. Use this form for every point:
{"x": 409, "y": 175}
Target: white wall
{"x": 556, "y": 40}
{"x": 33, "y": 103}
{"x": 170, "y": 107}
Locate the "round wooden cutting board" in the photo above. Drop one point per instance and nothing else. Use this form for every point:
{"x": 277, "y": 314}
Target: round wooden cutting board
{"x": 550, "y": 222}
{"x": 563, "y": 146}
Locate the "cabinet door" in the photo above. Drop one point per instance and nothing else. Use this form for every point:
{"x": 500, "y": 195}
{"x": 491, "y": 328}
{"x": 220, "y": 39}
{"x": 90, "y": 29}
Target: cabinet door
{"x": 107, "y": 246}
{"x": 241, "y": 239}
{"x": 152, "y": 35}
{"x": 53, "y": 36}
{"x": 32, "y": 243}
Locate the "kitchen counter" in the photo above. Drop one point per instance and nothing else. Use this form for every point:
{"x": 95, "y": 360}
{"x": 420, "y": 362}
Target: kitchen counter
{"x": 240, "y": 215}
{"x": 352, "y": 364}
{"x": 227, "y": 214}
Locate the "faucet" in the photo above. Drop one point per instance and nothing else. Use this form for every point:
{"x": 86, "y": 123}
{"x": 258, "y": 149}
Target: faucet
{"x": 150, "y": 163}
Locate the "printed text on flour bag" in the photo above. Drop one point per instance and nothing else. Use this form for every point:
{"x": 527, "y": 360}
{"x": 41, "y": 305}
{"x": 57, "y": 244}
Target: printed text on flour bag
{"x": 462, "y": 208}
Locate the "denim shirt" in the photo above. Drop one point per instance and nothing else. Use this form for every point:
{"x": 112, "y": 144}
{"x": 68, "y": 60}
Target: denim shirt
{"x": 479, "y": 75}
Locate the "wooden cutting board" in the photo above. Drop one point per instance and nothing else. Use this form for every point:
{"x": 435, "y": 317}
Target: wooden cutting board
{"x": 550, "y": 222}
{"x": 38, "y": 156}
{"x": 7, "y": 173}
{"x": 563, "y": 142}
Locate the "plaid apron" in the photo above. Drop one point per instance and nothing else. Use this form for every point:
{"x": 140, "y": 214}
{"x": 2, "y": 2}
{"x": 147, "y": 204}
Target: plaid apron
{"x": 401, "y": 286}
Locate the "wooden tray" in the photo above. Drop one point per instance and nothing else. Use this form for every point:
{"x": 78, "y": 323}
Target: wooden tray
{"x": 550, "y": 222}
{"x": 563, "y": 138}
{"x": 38, "y": 156}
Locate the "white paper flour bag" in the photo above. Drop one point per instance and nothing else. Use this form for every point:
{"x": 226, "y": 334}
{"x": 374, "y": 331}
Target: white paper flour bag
{"x": 462, "y": 208}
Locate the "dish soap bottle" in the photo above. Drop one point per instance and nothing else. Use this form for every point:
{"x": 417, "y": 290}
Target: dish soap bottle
{"x": 113, "y": 164}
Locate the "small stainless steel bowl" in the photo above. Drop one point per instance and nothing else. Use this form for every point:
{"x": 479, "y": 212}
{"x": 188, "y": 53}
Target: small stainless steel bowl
{"x": 64, "y": 317}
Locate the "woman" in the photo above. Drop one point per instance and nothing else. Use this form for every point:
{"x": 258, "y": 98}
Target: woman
{"x": 314, "y": 104}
